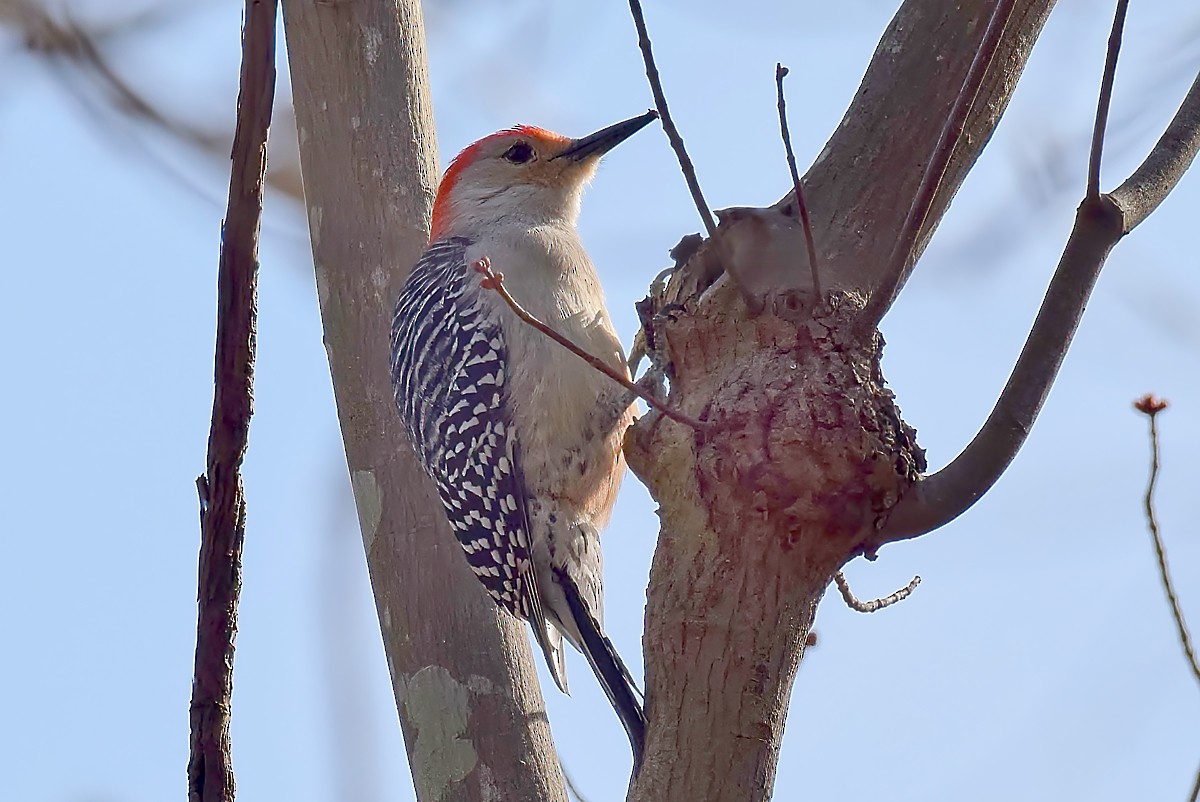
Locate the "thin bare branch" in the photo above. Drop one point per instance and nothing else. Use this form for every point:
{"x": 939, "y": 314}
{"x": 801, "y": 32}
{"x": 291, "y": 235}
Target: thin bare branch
{"x": 668, "y": 124}
{"x": 1106, "y": 88}
{"x": 899, "y": 262}
{"x": 1099, "y": 224}
{"x": 1150, "y": 406}
{"x": 495, "y": 281}
{"x": 801, "y": 207}
{"x": 222, "y": 503}
{"x": 878, "y": 604}
{"x": 1195, "y": 794}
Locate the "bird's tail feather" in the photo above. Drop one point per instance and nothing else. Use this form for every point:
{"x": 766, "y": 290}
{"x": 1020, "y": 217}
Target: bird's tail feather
{"x": 552, "y": 647}
{"x": 614, "y": 677}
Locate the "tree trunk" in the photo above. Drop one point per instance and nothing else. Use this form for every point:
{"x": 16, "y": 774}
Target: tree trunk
{"x": 807, "y": 452}
{"x": 473, "y": 717}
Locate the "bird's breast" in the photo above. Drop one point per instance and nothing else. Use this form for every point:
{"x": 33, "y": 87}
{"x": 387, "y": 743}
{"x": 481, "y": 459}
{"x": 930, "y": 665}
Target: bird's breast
{"x": 569, "y": 417}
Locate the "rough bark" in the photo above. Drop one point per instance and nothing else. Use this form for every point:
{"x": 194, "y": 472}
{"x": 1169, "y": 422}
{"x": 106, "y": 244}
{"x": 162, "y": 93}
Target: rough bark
{"x": 805, "y": 452}
{"x": 473, "y": 718}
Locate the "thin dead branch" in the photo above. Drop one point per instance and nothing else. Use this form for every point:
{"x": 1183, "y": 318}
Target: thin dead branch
{"x": 1102, "y": 106}
{"x": 495, "y": 281}
{"x": 900, "y": 261}
{"x": 222, "y": 503}
{"x": 801, "y": 207}
{"x": 668, "y": 124}
{"x": 1150, "y": 406}
{"x": 878, "y": 604}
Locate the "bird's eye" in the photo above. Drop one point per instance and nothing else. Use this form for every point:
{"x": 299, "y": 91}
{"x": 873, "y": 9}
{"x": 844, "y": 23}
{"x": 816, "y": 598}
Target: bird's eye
{"x": 519, "y": 153}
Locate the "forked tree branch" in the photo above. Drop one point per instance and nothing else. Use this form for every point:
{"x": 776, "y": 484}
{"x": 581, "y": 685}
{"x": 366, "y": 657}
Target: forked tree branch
{"x": 222, "y": 504}
{"x": 1099, "y": 224}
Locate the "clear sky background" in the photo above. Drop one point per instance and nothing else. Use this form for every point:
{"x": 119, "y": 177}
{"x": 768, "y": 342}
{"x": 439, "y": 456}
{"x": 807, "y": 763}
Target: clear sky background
{"x": 1037, "y": 660}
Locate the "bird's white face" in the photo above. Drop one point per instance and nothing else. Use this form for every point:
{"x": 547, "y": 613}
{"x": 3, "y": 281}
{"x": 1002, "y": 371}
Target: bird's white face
{"x": 524, "y": 176}
{"x": 512, "y": 176}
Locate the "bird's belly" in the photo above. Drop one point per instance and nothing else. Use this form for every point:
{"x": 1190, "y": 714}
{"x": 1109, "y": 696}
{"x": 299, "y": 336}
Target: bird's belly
{"x": 570, "y": 420}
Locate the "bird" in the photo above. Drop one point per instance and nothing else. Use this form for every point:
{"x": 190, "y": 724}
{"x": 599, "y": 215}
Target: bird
{"x": 521, "y": 438}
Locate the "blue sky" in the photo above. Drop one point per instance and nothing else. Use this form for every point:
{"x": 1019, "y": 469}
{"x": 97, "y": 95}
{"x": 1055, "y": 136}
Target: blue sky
{"x": 1037, "y": 660}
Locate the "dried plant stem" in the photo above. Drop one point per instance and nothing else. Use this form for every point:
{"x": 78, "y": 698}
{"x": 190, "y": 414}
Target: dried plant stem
{"x": 878, "y": 604}
{"x": 495, "y": 281}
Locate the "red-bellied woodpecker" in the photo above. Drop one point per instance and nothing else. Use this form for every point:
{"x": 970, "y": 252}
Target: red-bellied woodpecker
{"x": 521, "y": 437}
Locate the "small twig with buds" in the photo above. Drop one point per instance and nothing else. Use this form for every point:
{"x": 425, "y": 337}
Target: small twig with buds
{"x": 801, "y": 207}
{"x": 873, "y": 606}
{"x": 1150, "y": 406}
{"x": 495, "y": 281}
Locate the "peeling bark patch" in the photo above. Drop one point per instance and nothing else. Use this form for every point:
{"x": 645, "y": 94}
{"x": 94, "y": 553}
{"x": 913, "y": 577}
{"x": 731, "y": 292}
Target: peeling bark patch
{"x": 437, "y": 707}
{"x": 370, "y": 508}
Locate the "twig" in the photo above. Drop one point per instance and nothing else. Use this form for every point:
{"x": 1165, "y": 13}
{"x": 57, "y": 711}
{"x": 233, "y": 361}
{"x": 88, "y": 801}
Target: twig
{"x": 660, "y": 102}
{"x": 872, "y": 606}
{"x": 801, "y": 207}
{"x": 495, "y": 281}
{"x": 1102, "y": 106}
{"x": 222, "y": 503}
{"x": 898, "y": 263}
{"x": 1150, "y": 406}
{"x": 1195, "y": 795}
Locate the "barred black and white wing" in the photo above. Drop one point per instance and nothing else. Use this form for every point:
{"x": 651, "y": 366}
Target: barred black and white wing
{"x": 449, "y": 363}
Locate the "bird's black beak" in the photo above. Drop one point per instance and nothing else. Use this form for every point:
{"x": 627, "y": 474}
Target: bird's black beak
{"x": 606, "y": 139}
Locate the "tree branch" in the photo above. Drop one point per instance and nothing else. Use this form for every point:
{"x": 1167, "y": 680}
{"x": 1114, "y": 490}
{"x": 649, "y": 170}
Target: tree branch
{"x": 904, "y": 253}
{"x": 1099, "y": 224}
{"x": 461, "y": 670}
{"x": 222, "y": 504}
{"x": 868, "y": 174}
{"x": 1102, "y": 106}
{"x": 1170, "y": 158}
